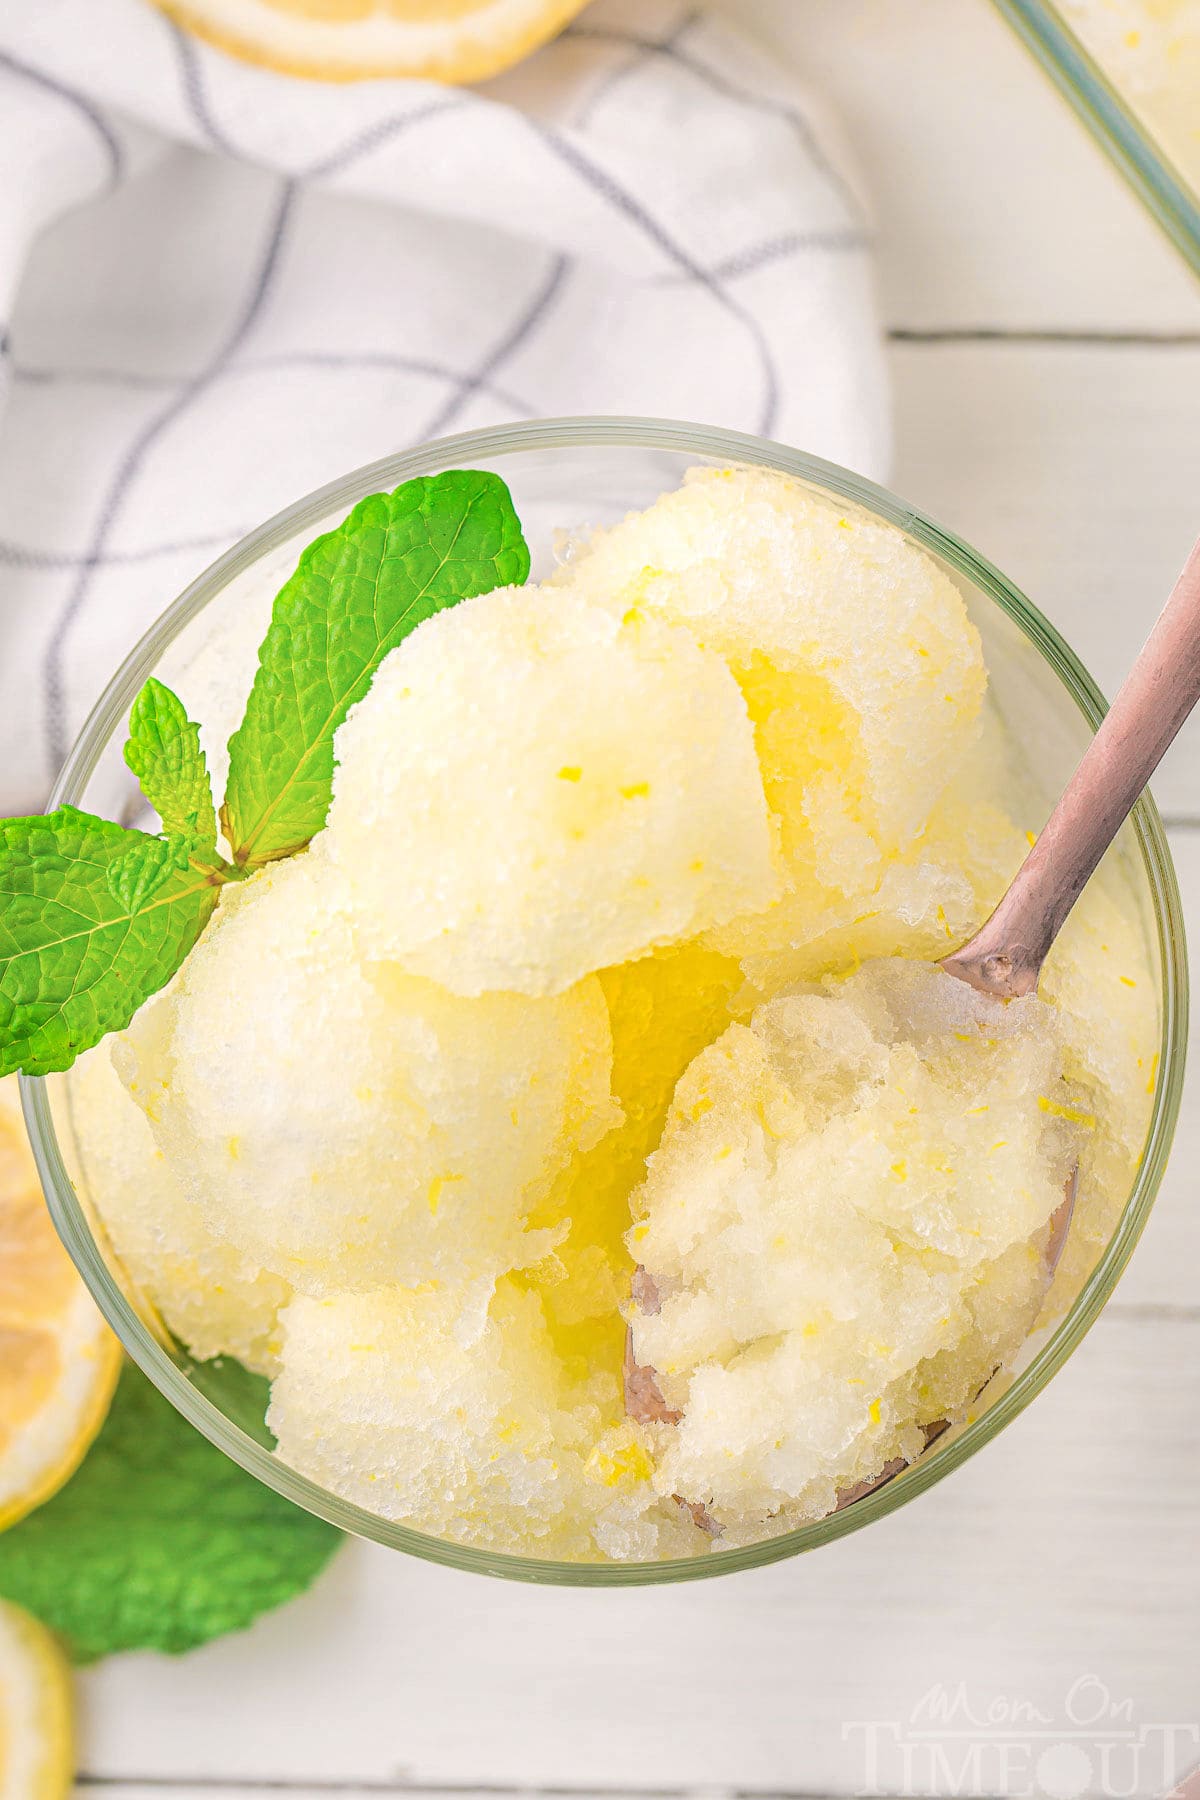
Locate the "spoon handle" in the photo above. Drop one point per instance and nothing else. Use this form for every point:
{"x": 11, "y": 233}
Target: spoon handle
{"x": 1005, "y": 956}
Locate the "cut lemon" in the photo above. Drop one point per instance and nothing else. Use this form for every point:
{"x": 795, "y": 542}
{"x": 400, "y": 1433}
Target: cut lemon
{"x": 36, "y": 1733}
{"x": 355, "y": 40}
{"x": 58, "y": 1359}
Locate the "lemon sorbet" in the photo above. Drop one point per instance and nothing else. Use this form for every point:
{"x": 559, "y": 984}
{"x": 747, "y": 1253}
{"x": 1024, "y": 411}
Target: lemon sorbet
{"x": 579, "y": 1133}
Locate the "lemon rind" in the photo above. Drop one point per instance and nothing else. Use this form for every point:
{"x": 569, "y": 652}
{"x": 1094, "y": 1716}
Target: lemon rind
{"x": 50, "y": 1717}
{"x": 473, "y": 57}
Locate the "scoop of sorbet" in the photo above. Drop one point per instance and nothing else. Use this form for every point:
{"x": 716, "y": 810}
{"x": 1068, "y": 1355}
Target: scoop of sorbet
{"x": 845, "y": 1230}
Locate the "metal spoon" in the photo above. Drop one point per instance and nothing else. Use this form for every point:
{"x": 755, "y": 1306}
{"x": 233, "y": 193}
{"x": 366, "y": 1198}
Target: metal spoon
{"x": 1004, "y": 958}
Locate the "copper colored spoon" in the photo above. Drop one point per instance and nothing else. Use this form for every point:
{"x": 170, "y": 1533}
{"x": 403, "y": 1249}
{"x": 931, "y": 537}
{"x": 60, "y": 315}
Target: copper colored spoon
{"x": 1004, "y": 958}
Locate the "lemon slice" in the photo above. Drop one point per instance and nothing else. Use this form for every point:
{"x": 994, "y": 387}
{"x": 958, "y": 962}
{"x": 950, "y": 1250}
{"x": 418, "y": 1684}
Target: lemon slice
{"x": 36, "y": 1735}
{"x": 353, "y": 40}
{"x": 58, "y": 1359}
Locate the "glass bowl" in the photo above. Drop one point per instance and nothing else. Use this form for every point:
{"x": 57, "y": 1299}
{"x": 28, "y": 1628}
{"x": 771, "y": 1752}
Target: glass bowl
{"x": 568, "y": 472}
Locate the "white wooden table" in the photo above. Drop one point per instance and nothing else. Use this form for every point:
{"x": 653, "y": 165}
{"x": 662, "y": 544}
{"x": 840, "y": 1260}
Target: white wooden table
{"x": 1046, "y": 355}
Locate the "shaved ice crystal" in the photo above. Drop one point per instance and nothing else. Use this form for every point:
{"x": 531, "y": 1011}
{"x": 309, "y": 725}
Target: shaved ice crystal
{"x": 534, "y": 789}
{"x": 209, "y": 1294}
{"x": 380, "y": 1402}
{"x": 863, "y": 674}
{"x": 846, "y": 1223}
{"x": 346, "y": 1125}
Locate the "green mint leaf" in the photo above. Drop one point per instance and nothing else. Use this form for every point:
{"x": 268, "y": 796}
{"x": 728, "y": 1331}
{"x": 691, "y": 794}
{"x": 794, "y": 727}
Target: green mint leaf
{"x": 235, "y": 1390}
{"x": 82, "y": 945}
{"x": 164, "y": 753}
{"x": 141, "y": 870}
{"x": 357, "y": 592}
{"x": 158, "y": 1541}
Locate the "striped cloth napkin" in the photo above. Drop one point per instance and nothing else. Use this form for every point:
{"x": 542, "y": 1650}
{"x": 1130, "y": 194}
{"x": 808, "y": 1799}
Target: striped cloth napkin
{"x": 220, "y": 288}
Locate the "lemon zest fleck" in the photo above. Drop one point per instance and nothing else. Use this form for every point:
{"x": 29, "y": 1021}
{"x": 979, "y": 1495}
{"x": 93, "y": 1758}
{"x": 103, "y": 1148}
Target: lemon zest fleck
{"x": 436, "y": 1186}
{"x": 1073, "y": 1113}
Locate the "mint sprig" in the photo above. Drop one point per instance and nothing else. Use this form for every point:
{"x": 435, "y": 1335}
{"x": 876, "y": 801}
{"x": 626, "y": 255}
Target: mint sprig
{"x": 95, "y": 918}
{"x": 357, "y": 592}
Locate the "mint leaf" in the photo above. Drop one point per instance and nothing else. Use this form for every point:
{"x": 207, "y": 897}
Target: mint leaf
{"x": 240, "y": 1394}
{"x": 357, "y": 592}
{"x": 92, "y": 922}
{"x": 158, "y": 1541}
{"x": 164, "y": 753}
{"x": 141, "y": 870}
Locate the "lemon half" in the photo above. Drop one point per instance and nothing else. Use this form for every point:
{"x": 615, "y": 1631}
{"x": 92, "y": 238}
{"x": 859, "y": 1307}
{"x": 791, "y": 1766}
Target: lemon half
{"x": 354, "y": 40}
{"x": 58, "y": 1359}
{"x": 36, "y": 1730}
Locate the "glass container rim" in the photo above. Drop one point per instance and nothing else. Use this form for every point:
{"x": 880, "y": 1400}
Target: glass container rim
{"x": 481, "y": 448}
{"x": 1146, "y": 165}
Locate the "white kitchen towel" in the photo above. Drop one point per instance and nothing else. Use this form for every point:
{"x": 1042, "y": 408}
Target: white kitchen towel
{"x": 220, "y": 288}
